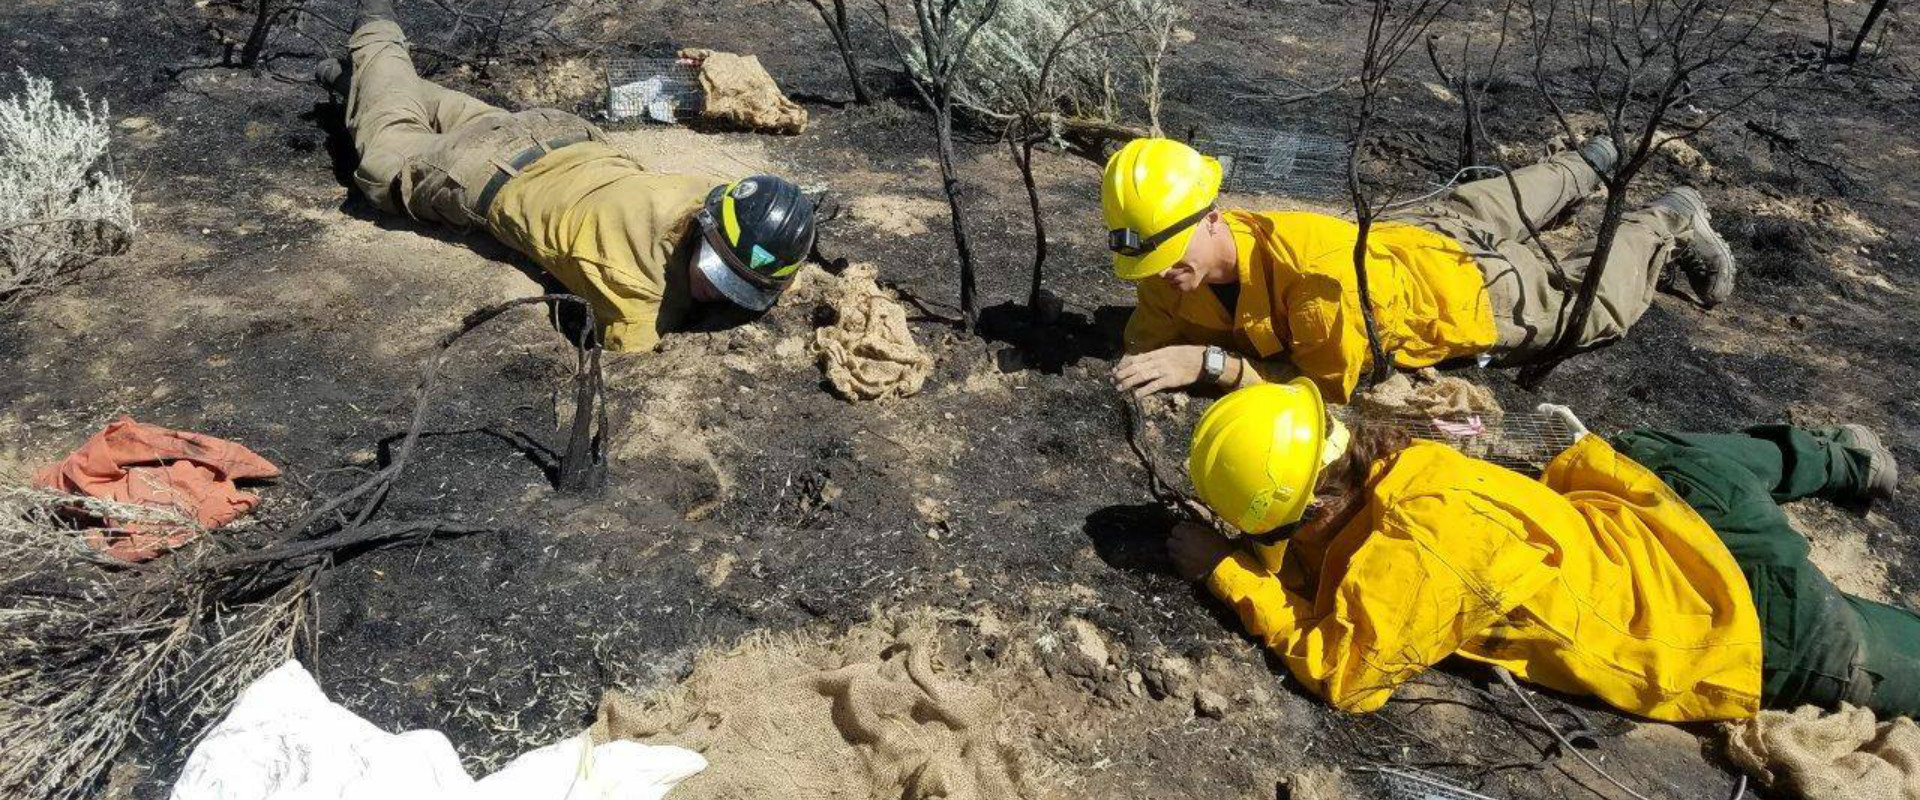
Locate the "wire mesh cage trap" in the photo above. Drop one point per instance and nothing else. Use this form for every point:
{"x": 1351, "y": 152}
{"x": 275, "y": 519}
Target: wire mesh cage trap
{"x": 1405, "y": 783}
{"x": 662, "y": 90}
{"x": 1270, "y": 161}
{"x": 1523, "y": 441}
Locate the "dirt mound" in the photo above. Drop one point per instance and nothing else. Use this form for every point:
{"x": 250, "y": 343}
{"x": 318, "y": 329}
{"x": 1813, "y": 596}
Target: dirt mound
{"x": 1319, "y": 783}
{"x": 741, "y": 94}
{"x": 1841, "y": 547}
{"x": 678, "y": 151}
{"x": 895, "y": 215}
{"x": 799, "y": 720}
{"x": 562, "y": 84}
{"x": 868, "y": 353}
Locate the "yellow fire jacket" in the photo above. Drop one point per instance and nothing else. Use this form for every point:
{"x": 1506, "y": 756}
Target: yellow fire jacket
{"x": 611, "y": 232}
{"x": 1297, "y": 295}
{"x": 1596, "y": 579}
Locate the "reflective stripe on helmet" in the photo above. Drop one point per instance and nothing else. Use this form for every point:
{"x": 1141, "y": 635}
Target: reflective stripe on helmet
{"x": 730, "y": 220}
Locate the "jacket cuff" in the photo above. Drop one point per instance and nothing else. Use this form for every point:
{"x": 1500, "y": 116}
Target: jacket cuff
{"x": 1232, "y": 576}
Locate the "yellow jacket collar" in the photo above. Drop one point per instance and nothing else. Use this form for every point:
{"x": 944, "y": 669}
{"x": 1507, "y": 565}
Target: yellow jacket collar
{"x": 1254, "y": 316}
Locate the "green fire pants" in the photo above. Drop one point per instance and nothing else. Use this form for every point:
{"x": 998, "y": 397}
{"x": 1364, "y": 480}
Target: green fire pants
{"x": 1820, "y": 646}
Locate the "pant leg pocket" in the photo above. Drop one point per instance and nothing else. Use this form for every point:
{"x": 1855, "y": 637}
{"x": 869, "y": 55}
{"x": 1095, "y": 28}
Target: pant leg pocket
{"x": 434, "y": 192}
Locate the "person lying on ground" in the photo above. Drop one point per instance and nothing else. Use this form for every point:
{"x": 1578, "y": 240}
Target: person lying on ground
{"x": 1656, "y": 571}
{"x": 1234, "y": 298}
{"x": 640, "y": 247}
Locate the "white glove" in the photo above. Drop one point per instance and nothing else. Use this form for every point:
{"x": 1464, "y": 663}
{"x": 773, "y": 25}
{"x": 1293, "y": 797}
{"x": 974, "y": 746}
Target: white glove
{"x": 1564, "y": 414}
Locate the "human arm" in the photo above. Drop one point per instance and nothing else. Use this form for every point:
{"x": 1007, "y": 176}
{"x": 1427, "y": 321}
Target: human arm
{"x": 626, "y": 304}
{"x": 1325, "y": 341}
{"x": 1158, "y": 357}
{"x": 1176, "y": 366}
{"x": 1243, "y": 371}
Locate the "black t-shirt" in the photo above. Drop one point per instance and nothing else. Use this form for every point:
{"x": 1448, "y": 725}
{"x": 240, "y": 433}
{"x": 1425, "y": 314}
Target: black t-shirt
{"x": 1229, "y": 294}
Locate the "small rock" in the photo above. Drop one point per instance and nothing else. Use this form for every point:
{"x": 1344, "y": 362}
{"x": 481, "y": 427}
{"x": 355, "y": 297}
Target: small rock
{"x": 135, "y": 123}
{"x": 931, "y": 510}
{"x": 792, "y": 348}
{"x": 1136, "y": 684}
{"x": 1210, "y": 704}
{"x": 1440, "y": 93}
{"x": 1169, "y": 676}
{"x": 1088, "y": 644}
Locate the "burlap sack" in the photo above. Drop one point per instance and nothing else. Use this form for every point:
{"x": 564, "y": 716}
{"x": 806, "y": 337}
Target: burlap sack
{"x": 1428, "y": 393}
{"x": 773, "y": 725}
{"x": 868, "y": 353}
{"x": 740, "y": 94}
{"x": 1841, "y": 755}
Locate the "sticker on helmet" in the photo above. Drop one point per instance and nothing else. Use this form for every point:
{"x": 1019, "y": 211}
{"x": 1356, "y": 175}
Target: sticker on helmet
{"x": 760, "y": 257}
{"x": 745, "y": 189}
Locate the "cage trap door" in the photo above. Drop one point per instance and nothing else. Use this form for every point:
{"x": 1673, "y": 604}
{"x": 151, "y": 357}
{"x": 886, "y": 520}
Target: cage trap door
{"x": 1277, "y": 161}
{"x": 655, "y": 90}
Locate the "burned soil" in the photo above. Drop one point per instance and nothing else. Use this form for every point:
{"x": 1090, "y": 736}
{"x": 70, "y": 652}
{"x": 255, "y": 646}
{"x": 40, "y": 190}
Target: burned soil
{"x": 267, "y": 304}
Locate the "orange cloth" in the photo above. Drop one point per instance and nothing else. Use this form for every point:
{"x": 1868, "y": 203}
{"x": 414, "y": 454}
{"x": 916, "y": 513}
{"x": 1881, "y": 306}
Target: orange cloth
{"x": 148, "y": 465}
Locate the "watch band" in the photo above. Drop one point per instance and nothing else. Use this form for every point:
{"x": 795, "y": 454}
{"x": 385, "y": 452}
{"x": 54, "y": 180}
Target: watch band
{"x": 1213, "y": 364}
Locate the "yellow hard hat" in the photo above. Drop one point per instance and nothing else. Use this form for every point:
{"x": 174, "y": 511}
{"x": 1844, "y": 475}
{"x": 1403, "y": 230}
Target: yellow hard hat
{"x": 1153, "y": 193}
{"x": 1257, "y": 454}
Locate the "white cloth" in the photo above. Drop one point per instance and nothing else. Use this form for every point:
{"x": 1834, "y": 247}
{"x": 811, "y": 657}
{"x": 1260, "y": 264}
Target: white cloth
{"x": 284, "y": 740}
{"x": 650, "y": 97}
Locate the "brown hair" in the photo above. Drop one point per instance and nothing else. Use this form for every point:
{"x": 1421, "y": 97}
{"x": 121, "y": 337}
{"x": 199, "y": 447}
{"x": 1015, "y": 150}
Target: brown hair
{"x": 1343, "y": 483}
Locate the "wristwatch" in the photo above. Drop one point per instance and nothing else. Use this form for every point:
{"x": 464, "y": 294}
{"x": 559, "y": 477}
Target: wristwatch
{"x": 1213, "y": 364}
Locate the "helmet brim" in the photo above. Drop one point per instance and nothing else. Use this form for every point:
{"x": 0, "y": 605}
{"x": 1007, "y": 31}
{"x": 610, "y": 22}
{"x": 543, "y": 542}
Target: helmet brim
{"x": 729, "y": 284}
{"x": 1139, "y": 268}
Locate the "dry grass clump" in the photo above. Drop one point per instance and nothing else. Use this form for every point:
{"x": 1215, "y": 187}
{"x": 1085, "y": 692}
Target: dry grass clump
{"x": 90, "y": 646}
{"x": 59, "y": 210}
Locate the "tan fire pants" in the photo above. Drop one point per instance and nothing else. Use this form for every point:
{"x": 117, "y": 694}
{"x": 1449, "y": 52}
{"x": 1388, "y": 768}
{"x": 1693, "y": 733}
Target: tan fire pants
{"x": 427, "y": 151}
{"x": 1530, "y": 298}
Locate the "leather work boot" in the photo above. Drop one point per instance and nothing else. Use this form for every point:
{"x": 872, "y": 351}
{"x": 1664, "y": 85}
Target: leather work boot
{"x": 1706, "y": 258}
{"x": 332, "y": 76}
{"x": 1883, "y": 473}
{"x": 1600, "y": 153}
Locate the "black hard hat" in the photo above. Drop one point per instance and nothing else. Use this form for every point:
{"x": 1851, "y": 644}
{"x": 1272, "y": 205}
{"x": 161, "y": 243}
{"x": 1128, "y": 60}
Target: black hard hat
{"x": 760, "y": 228}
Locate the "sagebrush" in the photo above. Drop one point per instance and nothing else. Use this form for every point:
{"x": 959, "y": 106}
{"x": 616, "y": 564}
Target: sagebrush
{"x": 1107, "y": 71}
{"x": 61, "y": 206}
